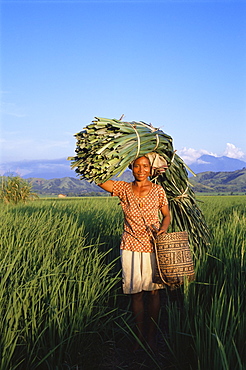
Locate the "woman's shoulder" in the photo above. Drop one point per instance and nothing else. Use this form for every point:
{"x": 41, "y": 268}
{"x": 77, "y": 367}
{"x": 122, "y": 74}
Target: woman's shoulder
{"x": 158, "y": 188}
{"x": 121, "y": 185}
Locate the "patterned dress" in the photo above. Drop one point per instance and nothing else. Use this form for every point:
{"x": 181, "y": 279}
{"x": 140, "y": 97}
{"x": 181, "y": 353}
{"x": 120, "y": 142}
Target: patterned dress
{"x": 135, "y": 237}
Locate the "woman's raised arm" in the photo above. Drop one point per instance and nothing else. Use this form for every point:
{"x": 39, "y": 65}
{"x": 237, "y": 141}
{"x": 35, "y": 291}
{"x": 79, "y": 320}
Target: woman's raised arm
{"x": 107, "y": 185}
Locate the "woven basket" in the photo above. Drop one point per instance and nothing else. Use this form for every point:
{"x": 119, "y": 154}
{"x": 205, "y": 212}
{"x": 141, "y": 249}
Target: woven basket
{"x": 174, "y": 259}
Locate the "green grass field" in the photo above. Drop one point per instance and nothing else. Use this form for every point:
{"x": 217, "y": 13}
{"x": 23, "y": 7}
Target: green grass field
{"x": 61, "y": 305}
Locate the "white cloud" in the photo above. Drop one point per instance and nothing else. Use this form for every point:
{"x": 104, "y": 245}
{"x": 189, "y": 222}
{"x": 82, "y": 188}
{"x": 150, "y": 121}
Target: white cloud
{"x": 232, "y": 151}
{"x": 190, "y": 155}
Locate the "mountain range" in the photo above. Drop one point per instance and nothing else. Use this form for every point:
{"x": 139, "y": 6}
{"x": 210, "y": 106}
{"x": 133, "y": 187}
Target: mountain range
{"x": 217, "y": 164}
{"x": 209, "y": 182}
{"x": 59, "y": 168}
{"x": 71, "y": 186}
{"x": 53, "y": 177}
{"x": 220, "y": 182}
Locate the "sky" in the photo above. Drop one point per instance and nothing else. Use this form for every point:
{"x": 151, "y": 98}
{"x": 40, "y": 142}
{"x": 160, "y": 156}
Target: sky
{"x": 179, "y": 65}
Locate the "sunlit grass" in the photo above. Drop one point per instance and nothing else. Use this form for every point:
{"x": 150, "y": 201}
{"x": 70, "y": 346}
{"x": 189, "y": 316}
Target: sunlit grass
{"x": 59, "y": 286}
{"x": 209, "y": 333}
{"x": 55, "y": 287}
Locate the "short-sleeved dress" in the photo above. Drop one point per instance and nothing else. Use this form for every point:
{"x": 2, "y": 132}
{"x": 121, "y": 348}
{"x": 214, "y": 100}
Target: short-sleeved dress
{"x": 137, "y": 250}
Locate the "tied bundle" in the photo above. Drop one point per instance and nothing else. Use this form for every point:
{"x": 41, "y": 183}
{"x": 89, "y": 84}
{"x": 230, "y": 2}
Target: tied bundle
{"x": 106, "y": 147}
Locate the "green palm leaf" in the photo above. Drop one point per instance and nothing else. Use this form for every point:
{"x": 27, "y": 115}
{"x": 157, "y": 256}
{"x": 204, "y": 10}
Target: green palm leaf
{"x": 106, "y": 147}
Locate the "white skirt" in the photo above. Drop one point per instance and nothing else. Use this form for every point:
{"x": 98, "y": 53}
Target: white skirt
{"x": 138, "y": 269}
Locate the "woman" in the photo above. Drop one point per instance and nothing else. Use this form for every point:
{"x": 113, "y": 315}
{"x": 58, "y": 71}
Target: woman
{"x": 141, "y": 202}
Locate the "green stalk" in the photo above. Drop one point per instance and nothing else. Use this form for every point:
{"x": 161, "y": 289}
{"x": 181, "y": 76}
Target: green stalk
{"x": 106, "y": 148}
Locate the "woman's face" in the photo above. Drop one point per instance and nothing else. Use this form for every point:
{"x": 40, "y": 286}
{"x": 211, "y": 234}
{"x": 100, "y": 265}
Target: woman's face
{"x": 141, "y": 169}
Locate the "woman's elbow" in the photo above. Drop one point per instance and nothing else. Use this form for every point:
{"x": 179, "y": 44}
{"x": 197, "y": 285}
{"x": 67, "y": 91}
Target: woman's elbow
{"x": 107, "y": 186}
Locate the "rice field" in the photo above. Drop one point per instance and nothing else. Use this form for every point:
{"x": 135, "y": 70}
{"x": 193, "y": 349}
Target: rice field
{"x": 61, "y": 305}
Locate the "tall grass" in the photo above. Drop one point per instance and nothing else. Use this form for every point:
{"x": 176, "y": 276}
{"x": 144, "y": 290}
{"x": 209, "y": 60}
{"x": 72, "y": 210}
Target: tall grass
{"x": 14, "y": 190}
{"x": 60, "y": 283}
{"x": 209, "y": 331}
{"x": 54, "y": 290}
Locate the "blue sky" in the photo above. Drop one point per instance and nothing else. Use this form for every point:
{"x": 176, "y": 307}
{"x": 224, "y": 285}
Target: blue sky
{"x": 180, "y": 65}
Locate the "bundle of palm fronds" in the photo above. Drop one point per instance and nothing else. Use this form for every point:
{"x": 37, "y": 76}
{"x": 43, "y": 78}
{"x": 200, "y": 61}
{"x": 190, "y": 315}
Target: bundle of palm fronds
{"x": 106, "y": 147}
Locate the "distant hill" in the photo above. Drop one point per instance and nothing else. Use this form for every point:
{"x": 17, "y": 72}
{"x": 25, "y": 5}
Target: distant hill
{"x": 70, "y": 186}
{"x": 209, "y": 181}
{"x": 65, "y": 185}
{"x": 214, "y": 174}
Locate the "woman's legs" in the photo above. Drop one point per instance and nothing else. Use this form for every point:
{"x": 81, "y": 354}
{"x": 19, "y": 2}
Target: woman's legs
{"x": 138, "y": 313}
{"x": 153, "y": 311}
{"x": 137, "y": 272}
{"x": 153, "y": 315}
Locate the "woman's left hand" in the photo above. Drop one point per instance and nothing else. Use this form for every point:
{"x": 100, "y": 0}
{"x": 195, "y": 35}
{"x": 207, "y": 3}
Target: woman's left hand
{"x": 161, "y": 231}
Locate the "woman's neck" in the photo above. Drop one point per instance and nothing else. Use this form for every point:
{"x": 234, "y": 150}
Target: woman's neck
{"x": 141, "y": 188}
{"x": 141, "y": 183}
